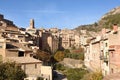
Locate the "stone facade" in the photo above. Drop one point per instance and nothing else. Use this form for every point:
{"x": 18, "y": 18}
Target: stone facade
{"x": 104, "y": 52}
{"x": 46, "y": 72}
{"x": 69, "y": 39}
{"x": 92, "y": 54}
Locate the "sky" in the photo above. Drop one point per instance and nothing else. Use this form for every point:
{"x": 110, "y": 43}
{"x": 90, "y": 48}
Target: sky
{"x": 55, "y": 13}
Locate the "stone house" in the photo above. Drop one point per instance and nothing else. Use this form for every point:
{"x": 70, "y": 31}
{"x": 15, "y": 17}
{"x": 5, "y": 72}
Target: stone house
{"x": 69, "y": 38}
{"x": 31, "y": 66}
{"x": 114, "y": 51}
{"x": 46, "y": 72}
{"x": 103, "y": 52}
{"x": 53, "y": 43}
{"x": 92, "y": 54}
{"x": 49, "y": 42}
{"x": 95, "y": 61}
{"x": 105, "y": 56}
{"x": 109, "y": 42}
{"x": 87, "y": 56}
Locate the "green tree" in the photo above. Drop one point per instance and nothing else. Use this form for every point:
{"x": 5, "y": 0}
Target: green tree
{"x": 66, "y": 51}
{"x": 11, "y": 71}
{"x": 59, "y": 56}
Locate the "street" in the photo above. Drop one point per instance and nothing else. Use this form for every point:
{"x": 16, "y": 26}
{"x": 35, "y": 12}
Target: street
{"x": 59, "y": 76}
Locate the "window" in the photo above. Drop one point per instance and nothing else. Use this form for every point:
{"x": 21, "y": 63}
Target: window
{"x": 35, "y": 66}
{"x": 106, "y": 44}
{"x": 0, "y": 46}
{"x": 107, "y": 63}
{"x": 112, "y": 54}
{"x": 20, "y": 54}
{"x": 112, "y": 71}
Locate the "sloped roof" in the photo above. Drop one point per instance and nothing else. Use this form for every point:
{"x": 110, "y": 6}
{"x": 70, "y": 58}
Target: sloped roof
{"x": 23, "y": 60}
{"x": 20, "y": 46}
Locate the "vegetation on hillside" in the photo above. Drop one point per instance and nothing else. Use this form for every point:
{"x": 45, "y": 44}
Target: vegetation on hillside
{"x": 75, "y": 54}
{"x": 89, "y": 27}
{"x": 79, "y": 73}
{"x": 108, "y": 21}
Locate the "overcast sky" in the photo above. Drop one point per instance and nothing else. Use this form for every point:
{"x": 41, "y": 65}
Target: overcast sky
{"x": 55, "y": 13}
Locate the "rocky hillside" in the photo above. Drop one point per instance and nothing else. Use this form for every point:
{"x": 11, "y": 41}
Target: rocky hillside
{"x": 112, "y": 12}
{"x": 107, "y": 20}
{"x": 110, "y": 18}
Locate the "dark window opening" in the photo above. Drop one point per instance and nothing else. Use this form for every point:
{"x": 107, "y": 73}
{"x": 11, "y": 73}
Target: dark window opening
{"x": 112, "y": 70}
{"x": 112, "y": 54}
{"x": 21, "y": 54}
{"x": 106, "y": 44}
{"x": 35, "y": 66}
{"x": 107, "y": 63}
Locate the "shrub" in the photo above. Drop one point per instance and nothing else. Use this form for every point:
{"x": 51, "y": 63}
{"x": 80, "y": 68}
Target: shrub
{"x": 93, "y": 76}
{"x": 11, "y": 71}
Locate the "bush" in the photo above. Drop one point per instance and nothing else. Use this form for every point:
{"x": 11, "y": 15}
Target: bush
{"x": 78, "y": 56}
{"x": 59, "y": 56}
{"x": 60, "y": 67}
{"x": 93, "y": 76}
{"x": 75, "y": 74}
{"x": 66, "y": 51}
{"x": 11, "y": 71}
{"x": 71, "y": 73}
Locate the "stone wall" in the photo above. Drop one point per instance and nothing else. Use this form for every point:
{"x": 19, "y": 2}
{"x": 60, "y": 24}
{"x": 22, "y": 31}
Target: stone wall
{"x": 11, "y": 53}
{"x": 72, "y": 63}
{"x": 33, "y": 69}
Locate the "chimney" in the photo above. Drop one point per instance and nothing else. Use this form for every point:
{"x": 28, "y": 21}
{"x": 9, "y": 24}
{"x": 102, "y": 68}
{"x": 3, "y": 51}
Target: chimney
{"x": 32, "y": 24}
{"x": 115, "y": 28}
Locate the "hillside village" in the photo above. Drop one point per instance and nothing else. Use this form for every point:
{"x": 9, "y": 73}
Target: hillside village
{"x": 20, "y": 45}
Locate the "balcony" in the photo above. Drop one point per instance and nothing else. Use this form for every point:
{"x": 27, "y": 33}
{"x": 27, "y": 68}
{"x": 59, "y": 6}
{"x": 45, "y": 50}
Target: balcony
{"x": 105, "y": 59}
